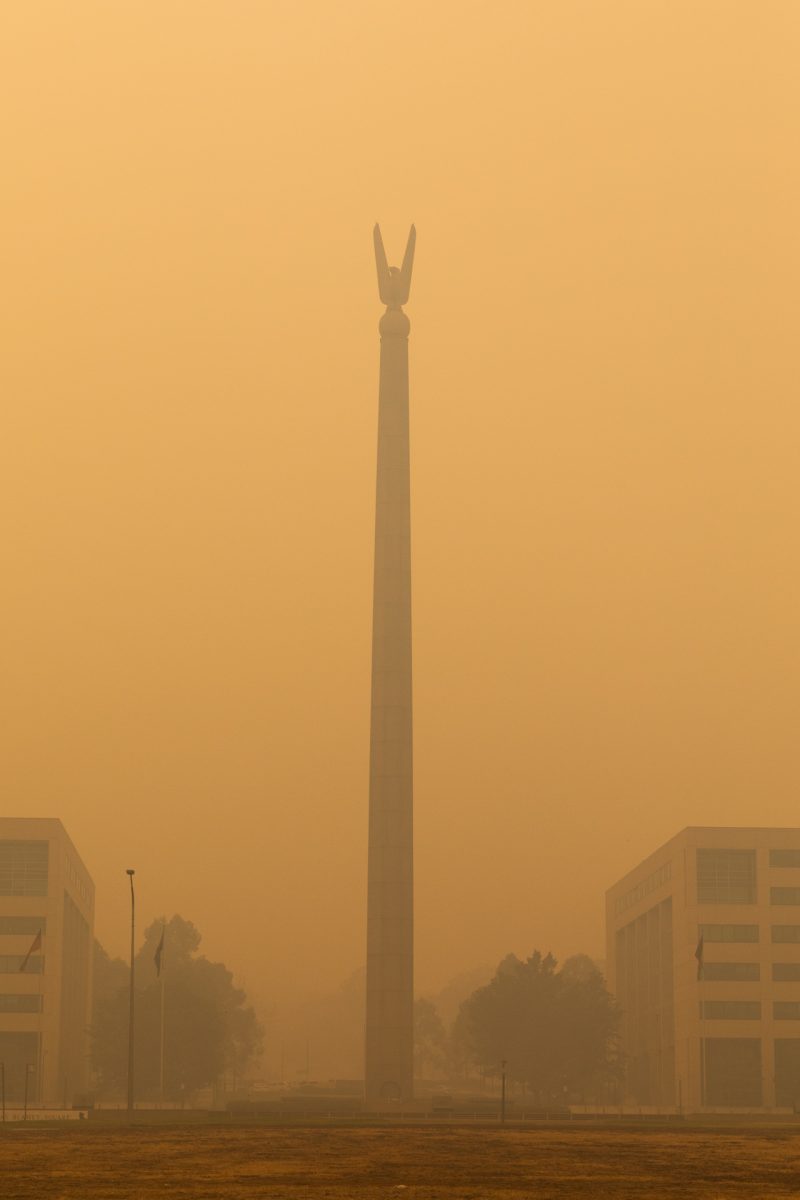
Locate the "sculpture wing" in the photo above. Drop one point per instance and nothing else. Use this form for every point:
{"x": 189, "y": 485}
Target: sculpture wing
{"x": 382, "y": 266}
{"x": 408, "y": 263}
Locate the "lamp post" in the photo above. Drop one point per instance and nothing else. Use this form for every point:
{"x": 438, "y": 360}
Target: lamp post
{"x": 130, "y": 875}
{"x": 28, "y": 1068}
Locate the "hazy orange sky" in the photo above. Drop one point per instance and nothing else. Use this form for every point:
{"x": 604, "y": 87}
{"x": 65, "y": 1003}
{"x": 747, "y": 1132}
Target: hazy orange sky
{"x": 605, "y": 451}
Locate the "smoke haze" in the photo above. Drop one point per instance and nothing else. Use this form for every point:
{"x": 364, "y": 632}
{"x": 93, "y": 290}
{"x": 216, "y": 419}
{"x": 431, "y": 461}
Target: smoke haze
{"x": 605, "y": 463}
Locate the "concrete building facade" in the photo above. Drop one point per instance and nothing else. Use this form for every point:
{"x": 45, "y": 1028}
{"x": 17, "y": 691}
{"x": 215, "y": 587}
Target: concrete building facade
{"x": 703, "y": 955}
{"x": 46, "y": 936}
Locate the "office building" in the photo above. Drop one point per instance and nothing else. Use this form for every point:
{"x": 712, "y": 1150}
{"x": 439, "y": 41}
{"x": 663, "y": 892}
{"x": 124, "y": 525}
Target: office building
{"x": 703, "y": 948}
{"x": 46, "y": 930}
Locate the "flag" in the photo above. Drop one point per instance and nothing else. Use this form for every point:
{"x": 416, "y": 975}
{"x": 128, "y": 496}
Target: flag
{"x": 36, "y": 944}
{"x": 699, "y": 956}
{"x": 159, "y": 954}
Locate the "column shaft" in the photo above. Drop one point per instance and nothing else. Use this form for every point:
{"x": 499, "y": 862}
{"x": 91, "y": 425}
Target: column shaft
{"x": 390, "y": 916}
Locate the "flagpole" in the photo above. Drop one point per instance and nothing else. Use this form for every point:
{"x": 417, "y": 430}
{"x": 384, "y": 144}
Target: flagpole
{"x": 40, "y": 1062}
{"x": 130, "y": 873}
{"x": 699, "y": 955}
{"x": 162, "y": 1040}
{"x": 36, "y": 944}
{"x": 163, "y": 984}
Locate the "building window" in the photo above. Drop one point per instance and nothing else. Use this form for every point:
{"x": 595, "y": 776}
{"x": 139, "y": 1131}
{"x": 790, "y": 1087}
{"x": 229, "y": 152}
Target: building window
{"x": 658, "y": 879}
{"x": 786, "y": 933}
{"x": 732, "y": 1072}
{"x": 784, "y": 895}
{"x": 786, "y": 1010}
{"x": 784, "y": 858}
{"x": 786, "y": 972}
{"x": 20, "y": 1004}
{"x": 30, "y": 925}
{"x": 730, "y": 1010}
{"x": 10, "y": 964}
{"x": 728, "y": 933}
{"x": 23, "y": 868}
{"x": 726, "y": 876}
{"x": 787, "y": 1072}
{"x": 731, "y": 972}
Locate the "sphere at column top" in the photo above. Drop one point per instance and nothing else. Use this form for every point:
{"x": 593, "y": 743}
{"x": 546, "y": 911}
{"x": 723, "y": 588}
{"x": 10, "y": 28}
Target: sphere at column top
{"x": 394, "y": 323}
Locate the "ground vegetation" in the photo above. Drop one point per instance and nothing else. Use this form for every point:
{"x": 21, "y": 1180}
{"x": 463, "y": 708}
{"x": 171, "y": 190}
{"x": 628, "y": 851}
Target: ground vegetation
{"x": 90, "y": 1161}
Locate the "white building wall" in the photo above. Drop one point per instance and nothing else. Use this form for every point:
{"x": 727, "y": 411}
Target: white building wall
{"x": 671, "y": 875}
{"x": 48, "y": 1080}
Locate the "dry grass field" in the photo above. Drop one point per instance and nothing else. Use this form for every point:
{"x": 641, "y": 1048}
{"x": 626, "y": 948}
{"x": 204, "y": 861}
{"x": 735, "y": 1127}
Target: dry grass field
{"x": 96, "y": 1162}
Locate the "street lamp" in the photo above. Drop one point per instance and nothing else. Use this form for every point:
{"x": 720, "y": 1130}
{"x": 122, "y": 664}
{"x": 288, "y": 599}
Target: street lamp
{"x": 130, "y": 875}
{"x": 28, "y": 1068}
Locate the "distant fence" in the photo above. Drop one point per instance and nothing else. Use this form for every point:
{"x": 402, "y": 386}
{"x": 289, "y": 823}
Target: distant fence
{"x": 44, "y": 1114}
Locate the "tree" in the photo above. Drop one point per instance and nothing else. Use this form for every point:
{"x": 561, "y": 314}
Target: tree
{"x": 555, "y": 1029}
{"x": 110, "y": 985}
{"x": 430, "y": 1040}
{"x": 460, "y": 1051}
{"x": 208, "y": 1028}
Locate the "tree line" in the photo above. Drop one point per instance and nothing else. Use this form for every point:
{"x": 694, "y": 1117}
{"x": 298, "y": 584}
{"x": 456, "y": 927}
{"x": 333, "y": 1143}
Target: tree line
{"x": 555, "y": 1027}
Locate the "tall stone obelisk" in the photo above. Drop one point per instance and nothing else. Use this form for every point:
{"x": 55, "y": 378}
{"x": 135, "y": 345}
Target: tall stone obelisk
{"x": 389, "y": 1062}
